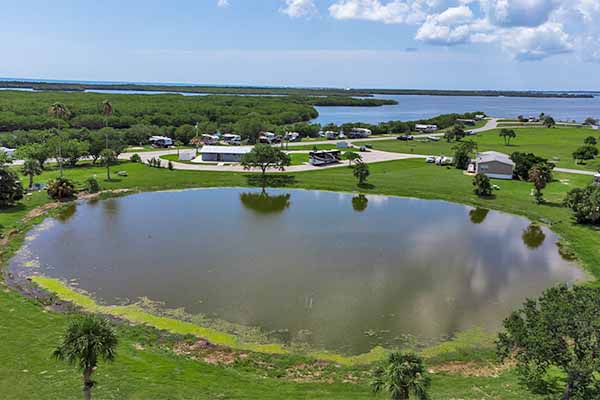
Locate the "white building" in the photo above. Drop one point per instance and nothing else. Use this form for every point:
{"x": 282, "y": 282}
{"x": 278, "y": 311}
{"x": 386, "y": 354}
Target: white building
{"x": 224, "y": 153}
{"x": 494, "y": 165}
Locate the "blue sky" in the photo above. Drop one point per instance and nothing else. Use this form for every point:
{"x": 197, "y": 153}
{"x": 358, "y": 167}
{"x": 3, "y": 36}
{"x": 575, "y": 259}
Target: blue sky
{"x": 446, "y": 44}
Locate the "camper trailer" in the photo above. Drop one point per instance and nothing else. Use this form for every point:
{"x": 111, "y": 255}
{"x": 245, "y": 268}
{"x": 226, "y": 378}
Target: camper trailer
{"x": 426, "y": 128}
{"x": 292, "y": 137}
{"x": 210, "y": 139}
{"x": 268, "y": 138}
{"x": 324, "y": 157}
{"x": 231, "y": 139}
{"x": 161, "y": 141}
{"x": 358, "y": 133}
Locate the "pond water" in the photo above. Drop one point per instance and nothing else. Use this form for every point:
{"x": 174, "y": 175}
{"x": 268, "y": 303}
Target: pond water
{"x": 337, "y": 271}
{"x": 412, "y": 108}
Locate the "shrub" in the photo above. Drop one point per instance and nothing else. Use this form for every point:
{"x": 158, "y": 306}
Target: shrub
{"x": 170, "y": 166}
{"x": 92, "y": 185}
{"x": 11, "y": 190}
{"x": 483, "y": 186}
{"x": 61, "y": 188}
{"x": 585, "y": 204}
{"x": 135, "y": 158}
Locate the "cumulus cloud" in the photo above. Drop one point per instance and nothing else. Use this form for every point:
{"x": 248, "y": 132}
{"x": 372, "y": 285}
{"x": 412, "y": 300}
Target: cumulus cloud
{"x": 223, "y": 3}
{"x": 389, "y": 12}
{"x": 517, "y": 13}
{"x": 453, "y": 26}
{"x": 299, "y": 8}
{"x": 537, "y": 43}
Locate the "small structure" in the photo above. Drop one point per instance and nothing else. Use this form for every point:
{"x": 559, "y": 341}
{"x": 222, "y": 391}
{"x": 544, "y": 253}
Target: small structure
{"x": 479, "y": 117}
{"x": 187, "y": 155}
{"x": 357, "y": 133}
{"x": 426, "y": 128}
{"x": 324, "y": 157}
{"x": 469, "y": 122}
{"x": 224, "y": 153}
{"x": 597, "y": 179}
{"x": 493, "y": 164}
{"x": 9, "y": 152}
{"x": 342, "y": 145}
{"x": 161, "y": 141}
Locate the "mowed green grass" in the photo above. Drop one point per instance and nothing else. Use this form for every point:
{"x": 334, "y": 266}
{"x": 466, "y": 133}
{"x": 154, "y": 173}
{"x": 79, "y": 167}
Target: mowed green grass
{"x": 556, "y": 144}
{"x": 28, "y": 333}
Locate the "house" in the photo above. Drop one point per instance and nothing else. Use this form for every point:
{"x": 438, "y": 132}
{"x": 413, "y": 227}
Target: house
{"x": 324, "y": 157}
{"x": 426, "y": 128}
{"x": 469, "y": 122}
{"x": 479, "y": 117}
{"x": 161, "y": 141}
{"x": 357, "y": 133}
{"x": 493, "y": 164}
{"x": 224, "y": 153}
{"x": 7, "y": 151}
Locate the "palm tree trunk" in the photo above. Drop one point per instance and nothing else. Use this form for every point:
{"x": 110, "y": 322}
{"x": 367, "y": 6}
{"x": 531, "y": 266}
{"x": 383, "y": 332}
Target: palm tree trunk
{"x": 30, "y": 181}
{"x": 87, "y": 384}
{"x": 108, "y": 171}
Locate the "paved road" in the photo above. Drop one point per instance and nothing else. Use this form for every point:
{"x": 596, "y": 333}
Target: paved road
{"x": 372, "y": 156}
{"x": 575, "y": 171}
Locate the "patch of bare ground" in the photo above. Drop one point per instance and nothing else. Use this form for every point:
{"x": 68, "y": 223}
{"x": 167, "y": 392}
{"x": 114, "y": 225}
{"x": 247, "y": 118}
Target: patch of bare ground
{"x": 471, "y": 368}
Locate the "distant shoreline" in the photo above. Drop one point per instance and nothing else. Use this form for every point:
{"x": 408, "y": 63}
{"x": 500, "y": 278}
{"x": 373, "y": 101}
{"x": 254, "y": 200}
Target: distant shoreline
{"x": 256, "y": 90}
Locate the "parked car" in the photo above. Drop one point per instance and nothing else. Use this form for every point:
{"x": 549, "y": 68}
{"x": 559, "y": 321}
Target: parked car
{"x": 405, "y": 137}
{"x": 430, "y": 159}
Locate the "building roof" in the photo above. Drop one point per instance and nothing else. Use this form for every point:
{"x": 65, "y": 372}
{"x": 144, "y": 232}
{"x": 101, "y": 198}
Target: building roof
{"x": 488, "y": 156}
{"x": 226, "y": 149}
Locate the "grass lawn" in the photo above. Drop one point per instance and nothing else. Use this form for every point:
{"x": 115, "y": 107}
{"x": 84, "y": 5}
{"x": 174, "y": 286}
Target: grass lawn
{"x": 556, "y": 144}
{"x": 28, "y": 332}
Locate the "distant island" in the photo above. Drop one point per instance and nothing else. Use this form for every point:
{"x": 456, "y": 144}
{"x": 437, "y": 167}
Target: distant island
{"x": 283, "y": 91}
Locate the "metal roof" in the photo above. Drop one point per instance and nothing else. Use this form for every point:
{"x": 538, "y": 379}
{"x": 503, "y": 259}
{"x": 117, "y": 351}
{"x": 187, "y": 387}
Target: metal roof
{"x": 488, "y": 156}
{"x": 226, "y": 149}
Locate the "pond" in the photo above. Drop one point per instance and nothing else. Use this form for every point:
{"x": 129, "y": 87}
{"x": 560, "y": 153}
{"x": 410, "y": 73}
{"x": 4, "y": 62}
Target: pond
{"x": 337, "y": 271}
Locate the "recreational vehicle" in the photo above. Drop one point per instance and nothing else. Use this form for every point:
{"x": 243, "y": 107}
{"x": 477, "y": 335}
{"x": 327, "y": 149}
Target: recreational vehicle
{"x": 357, "y": 133}
{"x": 426, "y": 128}
{"x": 232, "y": 139}
{"x": 292, "y": 137}
{"x": 324, "y": 157}
{"x": 161, "y": 141}
{"x": 268, "y": 138}
{"x": 210, "y": 139}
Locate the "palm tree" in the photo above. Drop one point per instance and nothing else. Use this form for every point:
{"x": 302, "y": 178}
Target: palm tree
{"x": 60, "y": 112}
{"x": 107, "y": 111}
{"x": 87, "y": 340}
{"x": 108, "y": 157}
{"x": 402, "y": 375}
{"x": 31, "y": 168}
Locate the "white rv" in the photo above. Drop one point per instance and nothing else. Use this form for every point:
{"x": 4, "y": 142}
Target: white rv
{"x": 357, "y": 133}
{"x": 161, "y": 141}
{"x": 210, "y": 139}
{"x": 426, "y": 128}
{"x": 268, "y": 138}
{"x": 232, "y": 139}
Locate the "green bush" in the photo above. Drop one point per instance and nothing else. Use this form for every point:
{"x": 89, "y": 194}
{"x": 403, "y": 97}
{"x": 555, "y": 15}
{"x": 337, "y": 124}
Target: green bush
{"x": 483, "y": 186}
{"x": 92, "y": 185}
{"x": 11, "y": 189}
{"x": 61, "y": 188}
{"x": 135, "y": 158}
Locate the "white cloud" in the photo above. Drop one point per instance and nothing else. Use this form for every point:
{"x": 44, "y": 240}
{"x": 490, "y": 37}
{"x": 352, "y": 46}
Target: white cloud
{"x": 223, "y": 3}
{"x": 512, "y": 13}
{"x": 390, "y": 12}
{"x": 537, "y": 43}
{"x": 299, "y": 8}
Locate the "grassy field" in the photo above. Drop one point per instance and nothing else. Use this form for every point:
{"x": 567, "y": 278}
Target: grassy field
{"x": 147, "y": 369}
{"x": 556, "y": 144}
